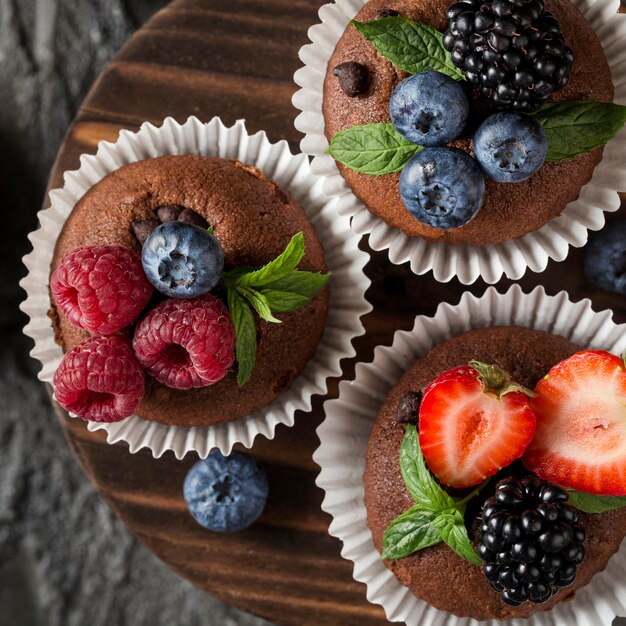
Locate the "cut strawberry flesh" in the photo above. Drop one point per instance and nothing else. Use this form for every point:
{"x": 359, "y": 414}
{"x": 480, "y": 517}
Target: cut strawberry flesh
{"x": 581, "y": 424}
{"x": 467, "y": 434}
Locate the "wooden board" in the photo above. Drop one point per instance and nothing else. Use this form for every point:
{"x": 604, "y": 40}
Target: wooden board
{"x": 236, "y": 59}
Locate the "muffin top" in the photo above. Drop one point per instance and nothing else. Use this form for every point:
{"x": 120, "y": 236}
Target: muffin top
{"x": 510, "y": 210}
{"x": 437, "y": 574}
{"x": 254, "y": 219}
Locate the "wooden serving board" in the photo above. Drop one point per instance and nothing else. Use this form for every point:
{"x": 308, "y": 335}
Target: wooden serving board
{"x": 236, "y": 59}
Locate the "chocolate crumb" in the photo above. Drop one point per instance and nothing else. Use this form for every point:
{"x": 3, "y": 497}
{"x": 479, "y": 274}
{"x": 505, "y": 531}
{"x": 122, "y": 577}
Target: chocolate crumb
{"x": 143, "y": 228}
{"x": 387, "y": 13}
{"x": 408, "y": 407}
{"x": 353, "y": 78}
{"x": 169, "y": 212}
{"x": 191, "y": 217}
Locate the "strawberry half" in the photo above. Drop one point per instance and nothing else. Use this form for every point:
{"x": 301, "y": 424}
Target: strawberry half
{"x": 473, "y": 421}
{"x": 581, "y": 424}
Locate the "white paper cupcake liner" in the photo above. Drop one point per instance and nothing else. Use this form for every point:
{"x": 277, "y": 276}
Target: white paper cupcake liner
{"x": 467, "y": 263}
{"x": 345, "y": 260}
{"x": 349, "y": 419}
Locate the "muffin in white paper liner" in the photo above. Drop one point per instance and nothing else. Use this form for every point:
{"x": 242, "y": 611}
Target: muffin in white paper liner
{"x": 467, "y": 263}
{"x": 349, "y": 418}
{"x": 346, "y": 262}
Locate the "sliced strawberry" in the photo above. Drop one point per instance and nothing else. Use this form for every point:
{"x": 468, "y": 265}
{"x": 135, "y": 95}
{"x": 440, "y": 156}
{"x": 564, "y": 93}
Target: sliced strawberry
{"x": 473, "y": 421}
{"x": 581, "y": 424}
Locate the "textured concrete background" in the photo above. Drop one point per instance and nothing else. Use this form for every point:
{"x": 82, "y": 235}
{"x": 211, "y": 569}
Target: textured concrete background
{"x": 65, "y": 559}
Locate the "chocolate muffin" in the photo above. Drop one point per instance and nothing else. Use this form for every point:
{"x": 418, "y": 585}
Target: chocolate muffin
{"x": 437, "y": 574}
{"x": 509, "y": 210}
{"x": 253, "y": 219}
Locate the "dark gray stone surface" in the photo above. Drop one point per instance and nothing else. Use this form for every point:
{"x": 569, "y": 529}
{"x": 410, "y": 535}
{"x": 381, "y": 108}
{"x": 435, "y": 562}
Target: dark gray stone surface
{"x": 65, "y": 559}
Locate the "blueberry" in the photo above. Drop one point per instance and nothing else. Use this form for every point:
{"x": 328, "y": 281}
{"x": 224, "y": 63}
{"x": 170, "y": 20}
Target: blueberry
{"x": 429, "y": 109}
{"x": 226, "y": 493}
{"x": 510, "y": 147}
{"x": 182, "y": 260}
{"x": 605, "y": 258}
{"x": 442, "y": 187}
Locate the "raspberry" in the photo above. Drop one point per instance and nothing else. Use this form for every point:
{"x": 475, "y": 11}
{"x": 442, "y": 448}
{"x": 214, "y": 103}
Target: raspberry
{"x": 101, "y": 288}
{"x": 186, "y": 343}
{"x": 100, "y": 380}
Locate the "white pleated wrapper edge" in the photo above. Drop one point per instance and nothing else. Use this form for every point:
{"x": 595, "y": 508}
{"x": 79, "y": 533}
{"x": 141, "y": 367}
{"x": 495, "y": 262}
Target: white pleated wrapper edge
{"x": 349, "y": 419}
{"x": 490, "y": 262}
{"x": 345, "y": 260}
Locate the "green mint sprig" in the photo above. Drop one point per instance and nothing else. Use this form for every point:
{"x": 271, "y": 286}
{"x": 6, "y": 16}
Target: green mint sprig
{"x": 436, "y": 516}
{"x": 374, "y": 149}
{"x": 576, "y": 127}
{"x": 409, "y": 45}
{"x": 277, "y": 287}
{"x": 591, "y": 503}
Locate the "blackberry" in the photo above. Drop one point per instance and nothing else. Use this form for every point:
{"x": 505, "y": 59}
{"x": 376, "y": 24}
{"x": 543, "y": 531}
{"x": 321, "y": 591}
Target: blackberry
{"x": 512, "y": 49}
{"x": 531, "y": 540}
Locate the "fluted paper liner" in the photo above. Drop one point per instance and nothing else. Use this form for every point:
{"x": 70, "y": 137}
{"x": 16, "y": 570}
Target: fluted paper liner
{"x": 348, "y": 282}
{"x": 349, "y": 418}
{"x": 465, "y": 262}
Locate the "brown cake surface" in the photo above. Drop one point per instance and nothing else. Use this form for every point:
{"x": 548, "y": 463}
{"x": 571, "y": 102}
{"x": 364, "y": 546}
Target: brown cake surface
{"x": 510, "y": 210}
{"x": 254, "y": 219}
{"x": 437, "y": 574}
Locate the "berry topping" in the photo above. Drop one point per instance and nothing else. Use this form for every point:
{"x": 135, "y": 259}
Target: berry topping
{"x": 442, "y": 187}
{"x": 186, "y": 343}
{"x": 387, "y": 13}
{"x": 353, "y": 78}
{"x": 510, "y": 147}
{"x": 512, "y": 49}
{"x": 408, "y": 407}
{"x": 226, "y": 493}
{"x": 581, "y": 424}
{"x": 100, "y": 288}
{"x": 473, "y": 420}
{"x": 182, "y": 260}
{"x": 605, "y": 258}
{"x": 142, "y": 229}
{"x": 531, "y": 540}
{"x": 429, "y": 109}
{"x": 100, "y": 380}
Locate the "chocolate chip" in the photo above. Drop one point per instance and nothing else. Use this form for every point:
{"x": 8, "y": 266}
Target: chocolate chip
{"x": 387, "y": 13}
{"x": 353, "y": 78}
{"x": 191, "y": 217}
{"x": 408, "y": 407}
{"x": 169, "y": 212}
{"x": 143, "y": 228}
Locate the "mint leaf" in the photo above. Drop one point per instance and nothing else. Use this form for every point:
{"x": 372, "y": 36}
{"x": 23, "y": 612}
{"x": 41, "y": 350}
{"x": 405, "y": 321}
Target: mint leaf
{"x": 410, "y": 532}
{"x": 409, "y": 45}
{"x": 591, "y": 503}
{"x": 283, "y": 301}
{"x": 306, "y": 284}
{"x": 423, "y": 488}
{"x": 279, "y": 267}
{"x": 259, "y": 302}
{"x": 210, "y": 230}
{"x": 373, "y": 149}
{"x": 245, "y": 335}
{"x": 453, "y": 532}
{"x": 579, "y": 126}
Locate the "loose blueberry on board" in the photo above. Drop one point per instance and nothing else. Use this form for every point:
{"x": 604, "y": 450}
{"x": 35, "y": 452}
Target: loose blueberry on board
{"x": 226, "y": 493}
{"x": 182, "y": 260}
{"x": 442, "y": 187}
{"x": 531, "y": 540}
{"x": 513, "y": 50}
{"x": 429, "y": 109}
{"x": 510, "y": 147}
{"x": 605, "y": 258}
